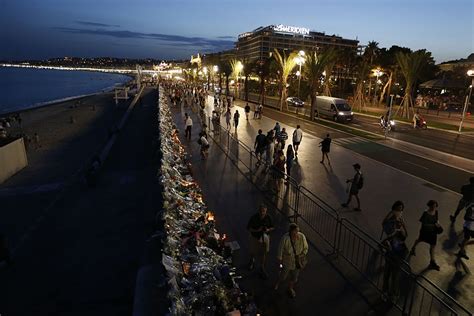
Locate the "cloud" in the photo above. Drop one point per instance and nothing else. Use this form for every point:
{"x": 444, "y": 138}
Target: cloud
{"x": 95, "y": 24}
{"x": 198, "y": 42}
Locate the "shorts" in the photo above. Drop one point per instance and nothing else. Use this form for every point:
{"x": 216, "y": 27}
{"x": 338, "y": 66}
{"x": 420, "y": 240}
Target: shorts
{"x": 259, "y": 151}
{"x": 292, "y": 274}
{"x": 296, "y": 143}
{"x": 257, "y": 247}
{"x": 428, "y": 237}
{"x": 468, "y": 234}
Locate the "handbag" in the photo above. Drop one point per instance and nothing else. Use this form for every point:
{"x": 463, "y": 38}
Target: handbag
{"x": 300, "y": 260}
{"x": 439, "y": 230}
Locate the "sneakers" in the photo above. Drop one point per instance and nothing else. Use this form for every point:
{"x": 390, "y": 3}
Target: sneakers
{"x": 251, "y": 264}
{"x": 452, "y": 218}
{"x": 462, "y": 254}
{"x": 292, "y": 293}
{"x": 433, "y": 265}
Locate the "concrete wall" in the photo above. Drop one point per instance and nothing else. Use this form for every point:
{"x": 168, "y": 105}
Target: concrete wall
{"x": 12, "y": 159}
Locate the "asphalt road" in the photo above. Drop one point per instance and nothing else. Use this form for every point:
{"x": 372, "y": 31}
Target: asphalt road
{"x": 448, "y": 142}
{"x": 80, "y": 255}
{"x": 442, "y": 176}
{"x": 451, "y": 143}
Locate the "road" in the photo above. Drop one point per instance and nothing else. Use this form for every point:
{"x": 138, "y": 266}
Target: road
{"x": 448, "y": 142}
{"x": 77, "y": 251}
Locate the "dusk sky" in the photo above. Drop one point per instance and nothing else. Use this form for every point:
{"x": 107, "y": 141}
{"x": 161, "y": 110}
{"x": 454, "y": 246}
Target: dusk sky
{"x": 36, "y": 29}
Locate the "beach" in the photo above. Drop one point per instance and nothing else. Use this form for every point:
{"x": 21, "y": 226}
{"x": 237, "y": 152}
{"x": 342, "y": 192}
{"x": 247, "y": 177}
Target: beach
{"x": 69, "y": 134}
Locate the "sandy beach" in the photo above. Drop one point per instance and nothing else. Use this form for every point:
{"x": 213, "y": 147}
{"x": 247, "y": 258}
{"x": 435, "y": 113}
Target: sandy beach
{"x": 69, "y": 134}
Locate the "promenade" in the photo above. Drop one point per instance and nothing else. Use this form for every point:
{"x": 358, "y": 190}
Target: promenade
{"x": 384, "y": 184}
{"x": 321, "y": 289}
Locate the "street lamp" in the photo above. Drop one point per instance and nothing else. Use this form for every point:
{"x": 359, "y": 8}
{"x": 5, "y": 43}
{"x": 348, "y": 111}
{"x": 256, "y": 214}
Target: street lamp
{"x": 377, "y": 73}
{"x": 470, "y": 73}
{"x": 300, "y": 61}
{"x": 215, "y": 69}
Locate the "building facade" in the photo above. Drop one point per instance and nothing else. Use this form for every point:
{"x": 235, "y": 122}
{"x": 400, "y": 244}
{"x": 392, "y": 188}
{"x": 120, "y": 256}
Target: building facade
{"x": 261, "y": 42}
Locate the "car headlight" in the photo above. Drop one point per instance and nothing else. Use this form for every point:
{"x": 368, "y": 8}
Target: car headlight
{"x": 352, "y": 113}
{"x": 340, "y": 113}
{"x": 392, "y": 122}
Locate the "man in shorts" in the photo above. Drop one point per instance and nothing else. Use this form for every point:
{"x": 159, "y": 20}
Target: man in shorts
{"x": 260, "y": 145}
{"x": 297, "y": 137}
{"x": 468, "y": 230}
{"x": 259, "y": 226}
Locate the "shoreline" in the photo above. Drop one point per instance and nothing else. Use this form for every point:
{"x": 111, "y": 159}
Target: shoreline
{"x": 65, "y": 99}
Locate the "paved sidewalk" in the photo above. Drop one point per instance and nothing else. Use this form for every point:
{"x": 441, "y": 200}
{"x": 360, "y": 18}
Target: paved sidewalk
{"x": 383, "y": 185}
{"x": 321, "y": 289}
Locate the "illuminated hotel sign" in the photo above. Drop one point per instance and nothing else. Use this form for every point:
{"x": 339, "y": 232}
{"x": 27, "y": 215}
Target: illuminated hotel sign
{"x": 291, "y": 29}
{"x": 245, "y": 34}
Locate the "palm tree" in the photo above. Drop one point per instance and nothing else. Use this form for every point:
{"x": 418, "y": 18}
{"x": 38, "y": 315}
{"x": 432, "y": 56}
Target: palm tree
{"x": 411, "y": 66}
{"x": 314, "y": 67}
{"x": 263, "y": 71}
{"x": 285, "y": 67}
{"x": 371, "y": 52}
{"x": 236, "y": 66}
{"x": 363, "y": 70}
{"x": 328, "y": 70}
{"x": 226, "y": 70}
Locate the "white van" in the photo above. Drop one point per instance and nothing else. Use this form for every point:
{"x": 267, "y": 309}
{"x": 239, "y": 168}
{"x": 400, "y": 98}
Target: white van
{"x": 334, "y": 108}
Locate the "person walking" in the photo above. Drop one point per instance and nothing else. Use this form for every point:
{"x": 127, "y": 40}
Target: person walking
{"x": 396, "y": 252}
{"x": 236, "y": 119}
{"x": 467, "y": 192}
{"x": 255, "y": 111}
{"x": 325, "y": 148}
{"x": 429, "y": 231}
{"x": 297, "y": 137}
{"x": 283, "y": 137}
{"x": 270, "y": 149}
{"x": 260, "y": 111}
{"x": 279, "y": 169}
{"x": 260, "y": 145}
{"x": 357, "y": 182}
{"x": 189, "y": 124}
{"x": 259, "y": 226}
{"x": 204, "y": 144}
{"x": 468, "y": 228}
{"x": 290, "y": 156}
{"x": 228, "y": 116}
{"x": 277, "y": 129}
{"x": 291, "y": 256}
{"x": 247, "y": 111}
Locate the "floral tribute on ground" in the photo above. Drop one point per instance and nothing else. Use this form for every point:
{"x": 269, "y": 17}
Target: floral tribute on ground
{"x": 200, "y": 276}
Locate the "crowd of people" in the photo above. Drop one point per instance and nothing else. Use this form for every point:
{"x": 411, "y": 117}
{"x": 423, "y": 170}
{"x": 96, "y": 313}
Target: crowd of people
{"x": 277, "y": 158}
{"x": 437, "y": 101}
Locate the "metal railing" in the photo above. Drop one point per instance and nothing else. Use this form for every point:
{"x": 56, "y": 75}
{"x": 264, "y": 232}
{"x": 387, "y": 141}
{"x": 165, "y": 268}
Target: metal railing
{"x": 367, "y": 257}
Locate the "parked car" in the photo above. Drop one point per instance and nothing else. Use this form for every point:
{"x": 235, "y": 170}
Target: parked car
{"x": 294, "y": 101}
{"x": 334, "y": 108}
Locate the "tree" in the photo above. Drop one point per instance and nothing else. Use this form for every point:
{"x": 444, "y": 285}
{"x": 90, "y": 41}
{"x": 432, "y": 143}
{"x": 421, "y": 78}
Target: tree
{"x": 412, "y": 65}
{"x": 363, "y": 70}
{"x": 313, "y": 69}
{"x": 390, "y": 66}
{"x": 285, "y": 67}
{"x": 263, "y": 71}
{"x": 226, "y": 70}
{"x": 371, "y": 53}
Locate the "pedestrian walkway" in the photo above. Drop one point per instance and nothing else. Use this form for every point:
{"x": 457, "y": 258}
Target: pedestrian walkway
{"x": 383, "y": 185}
{"x": 321, "y": 289}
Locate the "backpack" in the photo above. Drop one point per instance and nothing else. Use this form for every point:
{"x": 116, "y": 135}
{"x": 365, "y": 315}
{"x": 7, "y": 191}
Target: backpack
{"x": 360, "y": 184}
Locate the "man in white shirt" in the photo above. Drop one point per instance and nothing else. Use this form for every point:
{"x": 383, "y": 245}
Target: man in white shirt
{"x": 297, "y": 137}
{"x": 189, "y": 124}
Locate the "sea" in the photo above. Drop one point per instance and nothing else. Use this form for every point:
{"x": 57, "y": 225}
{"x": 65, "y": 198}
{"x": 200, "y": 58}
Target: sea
{"x": 25, "y": 88}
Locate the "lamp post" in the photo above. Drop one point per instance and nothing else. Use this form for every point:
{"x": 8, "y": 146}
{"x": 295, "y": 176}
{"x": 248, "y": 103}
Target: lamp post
{"x": 215, "y": 69}
{"x": 300, "y": 61}
{"x": 377, "y": 73}
{"x": 470, "y": 73}
{"x": 240, "y": 67}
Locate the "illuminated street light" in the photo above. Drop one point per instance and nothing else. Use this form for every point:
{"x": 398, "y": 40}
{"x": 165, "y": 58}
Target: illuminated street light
{"x": 215, "y": 68}
{"x": 300, "y": 61}
{"x": 470, "y": 73}
{"x": 377, "y": 72}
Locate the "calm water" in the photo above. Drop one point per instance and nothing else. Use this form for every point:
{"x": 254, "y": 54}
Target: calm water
{"x": 22, "y": 88}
